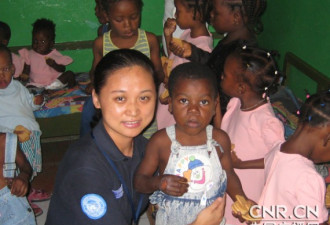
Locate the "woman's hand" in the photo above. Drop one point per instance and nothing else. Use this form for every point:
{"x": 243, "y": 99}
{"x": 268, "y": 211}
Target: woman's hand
{"x": 213, "y": 214}
{"x": 173, "y": 185}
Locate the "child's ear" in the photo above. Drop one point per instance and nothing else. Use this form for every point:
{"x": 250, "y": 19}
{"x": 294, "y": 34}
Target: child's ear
{"x": 237, "y": 17}
{"x": 96, "y": 101}
{"x": 170, "y": 107}
{"x": 241, "y": 88}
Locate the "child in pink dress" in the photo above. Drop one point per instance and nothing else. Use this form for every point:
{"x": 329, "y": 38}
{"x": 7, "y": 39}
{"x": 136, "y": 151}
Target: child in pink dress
{"x": 190, "y": 16}
{"x": 290, "y": 171}
{"x": 250, "y": 74}
{"x": 45, "y": 65}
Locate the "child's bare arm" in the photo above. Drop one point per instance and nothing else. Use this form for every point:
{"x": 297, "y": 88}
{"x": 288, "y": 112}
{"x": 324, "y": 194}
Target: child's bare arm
{"x": 20, "y": 183}
{"x": 52, "y": 63}
{"x": 169, "y": 28}
{"x": 155, "y": 56}
{"x": 218, "y": 115}
{"x": 234, "y": 186}
{"x": 97, "y": 54}
{"x": 144, "y": 179}
{"x": 249, "y": 164}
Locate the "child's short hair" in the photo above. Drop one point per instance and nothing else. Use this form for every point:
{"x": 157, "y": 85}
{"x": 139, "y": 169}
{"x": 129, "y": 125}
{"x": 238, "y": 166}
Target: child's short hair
{"x": 264, "y": 75}
{"x": 251, "y": 10}
{"x": 44, "y": 25}
{"x": 316, "y": 109}
{"x": 4, "y": 48}
{"x": 203, "y": 7}
{"x": 5, "y": 32}
{"x": 193, "y": 71}
{"x": 106, "y": 4}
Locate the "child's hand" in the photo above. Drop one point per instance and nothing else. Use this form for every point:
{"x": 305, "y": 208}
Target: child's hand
{"x": 18, "y": 186}
{"x": 24, "y": 77}
{"x": 235, "y": 160}
{"x": 38, "y": 99}
{"x": 22, "y": 133}
{"x": 183, "y": 51}
{"x": 173, "y": 185}
{"x": 51, "y": 62}
{"x": 169, "y": 27}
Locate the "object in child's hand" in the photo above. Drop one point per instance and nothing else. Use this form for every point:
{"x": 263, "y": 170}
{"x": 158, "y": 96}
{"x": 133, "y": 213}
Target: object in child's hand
{"x": 177, "y": 42}
{"x": 327, "y": 197}
{"x": 22, "y": 133}
{"x": 167, "y": 65}
{"x": 24, "y": 77}
{"x": 242, "y": 206}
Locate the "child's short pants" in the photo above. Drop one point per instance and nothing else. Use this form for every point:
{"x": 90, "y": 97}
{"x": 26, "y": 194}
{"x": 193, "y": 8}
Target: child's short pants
{"x": 15, "y": 210}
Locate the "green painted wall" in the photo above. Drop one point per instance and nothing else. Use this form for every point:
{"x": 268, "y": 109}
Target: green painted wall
{"x": 75, "y": 21}
{"x": 302, "y": 27}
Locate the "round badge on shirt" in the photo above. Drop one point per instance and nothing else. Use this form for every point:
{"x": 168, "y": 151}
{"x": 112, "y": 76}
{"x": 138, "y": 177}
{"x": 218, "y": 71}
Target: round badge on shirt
{"x": 93, "y": 205}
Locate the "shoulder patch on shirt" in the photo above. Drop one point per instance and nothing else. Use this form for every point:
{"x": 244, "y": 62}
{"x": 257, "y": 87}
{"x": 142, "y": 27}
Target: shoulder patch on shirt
{"x": 119, "y": 192}
{"x": 93, "y": 205}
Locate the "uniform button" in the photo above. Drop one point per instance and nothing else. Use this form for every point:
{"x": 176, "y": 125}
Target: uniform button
{"x": 29, "y": 209}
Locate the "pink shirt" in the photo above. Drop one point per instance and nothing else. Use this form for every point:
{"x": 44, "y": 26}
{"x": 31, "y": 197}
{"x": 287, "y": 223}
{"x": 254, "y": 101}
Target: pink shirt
{"x": 293, "y": 183}
{"x": 18, "y": 63}
{"x": 163, "y": 116}
{"x": 252, "y": 134}
{"x": 41, "y": 74}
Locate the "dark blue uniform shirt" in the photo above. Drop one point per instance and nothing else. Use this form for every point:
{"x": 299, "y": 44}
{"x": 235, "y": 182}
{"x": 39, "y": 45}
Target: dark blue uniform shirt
{"x": 87, "y": 189}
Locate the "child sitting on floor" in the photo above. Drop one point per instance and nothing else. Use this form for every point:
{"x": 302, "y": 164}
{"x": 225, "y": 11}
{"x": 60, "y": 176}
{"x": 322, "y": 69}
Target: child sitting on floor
{"x": 5, "y": 34}
{"x": 14, "y": 207}
{"x": 17, "y": 109}
{"x": 44, "y": 64}
{"x": 192, "y": 157}
{"x": 102, "y": 18}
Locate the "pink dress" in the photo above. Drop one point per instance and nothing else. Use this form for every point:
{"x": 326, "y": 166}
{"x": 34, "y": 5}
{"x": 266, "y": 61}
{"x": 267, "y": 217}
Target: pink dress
{"x": 163, "y": 116}
{"x": 293, "y": 183}
{"x": 252, "y": 134}
{"x": 41, "y": 74}
{"x": 18, "y": 63}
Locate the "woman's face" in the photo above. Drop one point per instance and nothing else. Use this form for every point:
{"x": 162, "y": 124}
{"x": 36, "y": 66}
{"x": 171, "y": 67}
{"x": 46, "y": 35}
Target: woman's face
{"x": 127, "y": 101}
{"x": 7, "y": 70}
{"x": 42, "y": 43}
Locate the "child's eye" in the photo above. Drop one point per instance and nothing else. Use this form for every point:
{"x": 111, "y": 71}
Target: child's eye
{"x": 204, "y": 102}
{"x": 118, "y": 20}
{"x": 135, "y": 16}
{"x": 183, "y": 101}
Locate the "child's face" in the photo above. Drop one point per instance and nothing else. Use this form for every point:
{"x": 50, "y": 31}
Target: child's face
{"x": 192, "y": 104}
{"x": 100, "y": 13}
{"x": 184, "y": 16}
{"x": 7, "y": 70}
{"x": 42, "y": 43}
{"x": 127, "y": 102}
{"x": 229, "y": 78}
{"x": 222, "y": 17}
{"x": 124, "y": 19}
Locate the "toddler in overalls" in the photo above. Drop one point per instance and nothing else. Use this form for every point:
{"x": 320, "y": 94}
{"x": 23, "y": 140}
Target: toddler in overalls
{"x": 192, "y": 158}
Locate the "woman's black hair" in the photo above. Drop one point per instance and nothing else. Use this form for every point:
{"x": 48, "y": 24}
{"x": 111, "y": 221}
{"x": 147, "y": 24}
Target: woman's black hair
{"x": 193, "y": 71}
{"x": 202, "y": 7}
{"x": 119, "y": 59}
{"x": 106, "y": 4}
{"x": 252, "y": 10}
{"x": 259, "y": 69}
{"x": 44, "y": 25}
{"x": 316, "y": 109}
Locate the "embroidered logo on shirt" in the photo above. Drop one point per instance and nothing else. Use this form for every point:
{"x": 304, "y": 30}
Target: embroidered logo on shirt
{"x": 119, "y": 192}
{"x": 93, "y": 205}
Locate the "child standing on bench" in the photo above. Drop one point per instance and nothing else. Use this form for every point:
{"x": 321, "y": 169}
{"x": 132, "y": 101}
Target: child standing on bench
{"x": 17, "y": 106}
{"x": 44, "y": 64}
{"x": 14, "y": 207}
{"x": 124, "y": 18}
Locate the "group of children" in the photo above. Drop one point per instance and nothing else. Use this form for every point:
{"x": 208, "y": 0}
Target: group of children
{"x": 188, "y": 163}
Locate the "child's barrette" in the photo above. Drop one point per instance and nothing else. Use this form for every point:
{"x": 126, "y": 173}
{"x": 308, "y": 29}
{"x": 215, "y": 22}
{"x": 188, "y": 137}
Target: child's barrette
{"x": 322, "y": 105}
{"x": 309, "y": 118}
{"x": 276, "y": 72}
{"x": 298, "y": 112}
{"x": 247, "y": 65}
{"x": 244, "y": 47}
{"x": 264, "y": 94}
{"x": 268, "y": 54}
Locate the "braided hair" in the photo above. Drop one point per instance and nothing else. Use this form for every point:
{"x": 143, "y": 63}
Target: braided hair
{"x": 202, "y": 7}
{"x": 316, "y": 110}
{"x": 107, "y": 4}
{"x": 44, "y": 25}
{"x": 259, "y": 69}
{"x": 251, "y": 10}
